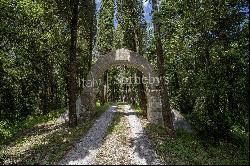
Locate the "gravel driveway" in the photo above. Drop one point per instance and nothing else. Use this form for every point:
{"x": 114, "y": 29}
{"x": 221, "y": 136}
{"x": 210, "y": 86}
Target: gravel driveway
{"x": 131, "y": 146}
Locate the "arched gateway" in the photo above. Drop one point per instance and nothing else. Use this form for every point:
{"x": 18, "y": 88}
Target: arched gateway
{"x": 86, "y": 102}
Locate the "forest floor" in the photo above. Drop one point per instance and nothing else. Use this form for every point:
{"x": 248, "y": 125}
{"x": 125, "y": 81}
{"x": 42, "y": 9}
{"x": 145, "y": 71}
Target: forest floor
{"x": 192, "y": 148}
{"x": 115, "y": 135}
{"x": 43, "y": 139}
{"x": 123, "y": 136}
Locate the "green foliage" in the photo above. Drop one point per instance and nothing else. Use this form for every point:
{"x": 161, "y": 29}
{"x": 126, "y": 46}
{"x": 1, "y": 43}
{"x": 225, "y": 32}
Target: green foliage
{"x": 104, "y": 37}
{"x": 207, "y": 60}
{"x": 189, "y": 149}
{"x": 44, "y": 139}
{"x": 31, "y": 59}
{"x": 8, "y": 130}
{"x": 130, "y": 30}
{"x": 100, "y": 109}
{"x": 34, "y": 55}
{"x": 130, "y": 34}
{"x": 86, "y": 36}
{"x": 206, "y": 53}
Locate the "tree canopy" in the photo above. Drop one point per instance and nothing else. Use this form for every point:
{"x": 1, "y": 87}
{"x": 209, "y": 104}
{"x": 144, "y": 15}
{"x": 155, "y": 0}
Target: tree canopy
{"x": 199, "y": 47}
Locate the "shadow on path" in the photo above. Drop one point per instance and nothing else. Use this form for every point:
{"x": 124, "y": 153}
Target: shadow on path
{"x": 84, "y": 151}
{"x": 144, "y": 153}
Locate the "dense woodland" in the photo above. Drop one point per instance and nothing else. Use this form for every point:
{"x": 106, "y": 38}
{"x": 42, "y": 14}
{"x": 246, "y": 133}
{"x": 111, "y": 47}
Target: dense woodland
{"x": 200, "y": 47}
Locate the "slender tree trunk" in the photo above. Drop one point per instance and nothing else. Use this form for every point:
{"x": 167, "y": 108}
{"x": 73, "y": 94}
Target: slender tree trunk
{"x": 25, "y": 112}
{"x": 143, "y": 99}
{"x": 166, "y": 110}
{"x": 72, "y": 86}
{"x": 103, "y": 99}
{"x": 45, "y": 99}
{"x": 90, "y": 47}
{"x": 141, "y": 88}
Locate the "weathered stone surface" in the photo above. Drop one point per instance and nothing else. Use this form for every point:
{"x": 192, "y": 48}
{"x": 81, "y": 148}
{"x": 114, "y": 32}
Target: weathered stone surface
{"x": 154, "y": 108}
{"x": 180, "y": 122}
{"x": 86, "y": 103}
{"x": 155, "y": 117}
{"x": 120, "y": 57}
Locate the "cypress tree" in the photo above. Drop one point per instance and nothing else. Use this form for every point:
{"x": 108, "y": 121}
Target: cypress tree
{"x": 104, "y": 39}
{"x": 130, "y": 21}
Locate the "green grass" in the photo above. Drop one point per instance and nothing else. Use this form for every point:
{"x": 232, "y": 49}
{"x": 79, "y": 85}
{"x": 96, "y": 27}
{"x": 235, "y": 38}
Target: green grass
{"x": 138, "y": 111}
{"x": 7, "y": 130}
{"x": 101, "y": 109}
{"x": 115, "y": 126}
{"x": 117, "y": 133}
{"x": 188, "y": 148}
{"x": 194, "y": 149}
{"x": 45, "y": 140}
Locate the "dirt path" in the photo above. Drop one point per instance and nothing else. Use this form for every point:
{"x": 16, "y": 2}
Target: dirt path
{"x": 125, "y": 142}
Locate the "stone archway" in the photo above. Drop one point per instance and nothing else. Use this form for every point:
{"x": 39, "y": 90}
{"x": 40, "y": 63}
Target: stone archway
{"x": 86, "y": 102}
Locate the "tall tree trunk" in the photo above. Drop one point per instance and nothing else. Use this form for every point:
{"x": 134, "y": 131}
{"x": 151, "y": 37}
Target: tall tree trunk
{"x": 143, "y": 99}
{"x": 45, "y": 99}
{"x": 90, "y": 54}
{"x": 141, "y": 88}
{"x": 72, "y": 86}
{"x": 104, "y": 85}
{"x": 166, "y": 110}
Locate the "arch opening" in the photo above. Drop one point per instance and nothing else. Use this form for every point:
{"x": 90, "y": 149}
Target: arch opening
{"x": 86, "y": 103}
